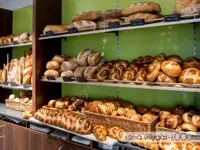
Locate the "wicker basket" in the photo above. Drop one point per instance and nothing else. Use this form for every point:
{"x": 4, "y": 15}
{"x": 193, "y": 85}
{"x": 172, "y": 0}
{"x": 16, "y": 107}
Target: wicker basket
{"x": 25, "y": 107}
{"x": 124, "y": 123}
{"x": 13, "y": 105}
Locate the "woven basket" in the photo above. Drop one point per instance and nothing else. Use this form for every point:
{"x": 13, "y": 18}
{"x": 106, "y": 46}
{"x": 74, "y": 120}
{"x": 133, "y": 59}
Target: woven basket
{"x": 13, "y": 105}
{"x": 25, "y": 107}
{"x": 124, "y": 123}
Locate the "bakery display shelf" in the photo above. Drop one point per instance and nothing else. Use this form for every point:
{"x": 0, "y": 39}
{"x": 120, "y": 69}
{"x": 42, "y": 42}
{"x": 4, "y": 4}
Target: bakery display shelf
{"x": 16, "y": 45}
{"x": 109, "y": 141}
{"x": 21, "y": 87}
{"x": 159, "y": 24}
{"x": 138, "y": 85}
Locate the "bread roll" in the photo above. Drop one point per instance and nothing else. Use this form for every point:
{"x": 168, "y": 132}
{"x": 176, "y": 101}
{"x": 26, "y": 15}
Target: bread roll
{"x": 179, "y": 110}
{"x": 171, "y": 68}
{"x": 79, "y": 72}
{"x": 147, "y": 118}
{"x": 54, "y": 28}
{"x": 112, "y": 13}
{"x": 53, "y": 65}
{"x": 83, "y": 25}
{"x": 145, "y": 16}
{"x": 83, "y": 57}
{"x": 89, "y": 15}
{"x": 72, "y": 64}
{"x": 60, "y": 105}
{"x": 52, "y": 103}
{"x": 171, "y": 121}
{"x": 163, "y": 114}
{"x": 190, "y": 76}
{"x": 94, "y": 58}
{"x": 59, "y": 59}
{"x": 175, "y": 58}
{"x": 142, "y": 109}
{"x": 53, "y": 73}
{"x": 196, "y": 121}
{"x": 191, "y": 63}
{"x": 142, "y": 7}
{"x": 164, "y": 78}
{"x": 68, "y": 74}
{"x": 189, "y": 127}
{"x": 187, "y": 117}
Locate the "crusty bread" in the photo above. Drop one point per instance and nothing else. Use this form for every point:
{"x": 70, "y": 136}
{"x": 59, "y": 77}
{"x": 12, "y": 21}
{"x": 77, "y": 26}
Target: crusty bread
{"x": 145, "y": 16}
{"x": 83, "y": 25}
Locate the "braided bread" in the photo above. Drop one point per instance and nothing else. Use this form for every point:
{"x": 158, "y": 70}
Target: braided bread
{"x": 141, "y": 75}
{"x": 65, "y": 119}
{"x": 117, "y": 133}
{"x": 100, "y": 132}
{"x": 153, "y": 71}
{"x": 129, "y": 75}
{"x": 142, "y": 7}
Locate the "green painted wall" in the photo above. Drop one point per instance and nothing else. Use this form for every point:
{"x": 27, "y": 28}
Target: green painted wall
{"x": 170, "y": 40}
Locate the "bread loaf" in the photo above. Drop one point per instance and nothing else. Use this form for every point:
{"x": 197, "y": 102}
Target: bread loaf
{"x": 190, "y": 75}
{"x": 112, "y": 13}
{"x": 164, "y": 78}
{"x": 105, "y": 23}
{"x": 190, "y": 63}
{"x": 54, "y": 28}
{"x": 175, "y": 58}
{"x": 145, "y": 16}
{"x": 171, "y": 68}
{"x": 53, "y": 73}
{"x": 27, "y": 73}
{"x": 90, "y": 72}
{"x": 83, "y": 25}
{"x": 59, "y": 59}
{"x": 187, "y": 6}
{"x": 83, "y": 57}
{"x": 68, "y": 74}
{"x": 53, "y": 65}
{"x": 72, "y": 64}
{"x": 89, "y": 15}
{"x": 79, "y": 72}
{"x": 142, "y": 7}
{"x": 94, "y": 58}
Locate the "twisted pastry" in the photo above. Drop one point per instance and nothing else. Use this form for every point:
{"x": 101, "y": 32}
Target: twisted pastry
{"x": 141, "y": 75}
{"x": 76, "y": 105}
{"x": 117, "y": 133}
{"x": 100, "y": 132}
{"x": 153, "y": 71}
{"x": 129, "y": 75}
{"x": 103, "y": 73}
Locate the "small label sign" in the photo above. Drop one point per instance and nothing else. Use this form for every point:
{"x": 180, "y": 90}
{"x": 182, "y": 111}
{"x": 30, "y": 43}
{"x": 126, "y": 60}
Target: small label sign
{"x": 114, "y": 25}
{"x": 5, "y": 83}
{"x": 14, "y": 42}
{"x": 66, "y": 79}
{"x": 173, "y": 17}
{"x": 49, "y": 33}
{"x": 72, "y": 30}
{"x": 81, "y": 79}
{"x": 137, "y": 22}
{"x": 51, "y": 78}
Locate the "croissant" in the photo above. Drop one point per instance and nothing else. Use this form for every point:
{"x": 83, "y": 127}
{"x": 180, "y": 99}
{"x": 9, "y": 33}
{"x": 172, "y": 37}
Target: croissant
{"x": 100, "y": 132}
{"x": 65, "y": 119}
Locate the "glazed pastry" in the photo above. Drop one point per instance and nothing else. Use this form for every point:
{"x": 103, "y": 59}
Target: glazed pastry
{"x": 141, "y": 75}
{"x": 171, "y": 68}
{"x": 53, "y": 73}
{"x": 54, "y": 28}
{"x": 100, "y": 132}
{"x": 190, "y": 76}
{"x": 112, "y": 13}
{"x": 129, "y": 75}
{"x": 171, "y": 121}
{"x": 94, "y": 58}
{"x": 145, "y": 16}
{"x": 89, "y": 15}
{"x": 142, "y": 109}
{"x": 153, "y": 71}
{"x": 83, "y": 57}
{"x": 142, "y": 7}
{"x": 117, "y": 133}
{"x": 103, "y": 73}
{"x": 163, "y": 114}
{"x": 79, "y": 72}
{"x": 72, "y": 64}
{"x": 53, "y": 65}
{"x": 196, "y": 121}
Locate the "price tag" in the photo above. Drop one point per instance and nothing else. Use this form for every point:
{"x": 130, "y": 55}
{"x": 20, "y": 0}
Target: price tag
{"x": 137, "y": 22}
{"x": 173, "y": 17}
{"x": 66, "y": 79}
{"x": 5, "y": 83}
{"x": 51, "y": 78}
{"x": 114, "y": 25}
{"x": 49, "y": 33}
{"x": 26, "y": 86}
{"x": 14, "y": 42}
{"x": 13, "y": 84}
{"x": 72, "y": 30}
{"x": 81, "y": 79}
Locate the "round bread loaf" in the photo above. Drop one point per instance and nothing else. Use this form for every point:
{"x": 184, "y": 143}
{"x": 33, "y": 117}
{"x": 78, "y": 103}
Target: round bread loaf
{"x": 53, "y": 73}
{"x": 53, "y": 65}
{"x": 175, "y": 58}
{"x": 83, "y": 56}
{"x": 171, "y": 68}
{"x": 72, "y": 64}
{"x": 191, "y": 63}
{"x": 165, "y": 78}
{"x": 59, "y": 59}
{"x": 142, "y": 7}
{"x": 190, "y": 75}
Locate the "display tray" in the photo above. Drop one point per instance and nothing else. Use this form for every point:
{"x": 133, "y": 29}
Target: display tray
{"x": 129, "y": 84}
{"x": 184, "y": 19}
{"x": 109, "y": 141}
{"x": 124, "y": 123}
{"x": 17, "y": 106}
{"x": 26, "y": 43}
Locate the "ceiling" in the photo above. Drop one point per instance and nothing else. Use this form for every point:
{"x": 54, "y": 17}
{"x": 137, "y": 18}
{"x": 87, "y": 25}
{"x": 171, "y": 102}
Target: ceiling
{"x": 14, "y": 4}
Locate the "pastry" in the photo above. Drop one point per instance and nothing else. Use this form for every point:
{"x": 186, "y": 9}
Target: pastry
{"x": 68, "y": 74}
{"x": 83, "y": 57}
{"x": 171, "y": 121}
{"x": 112, "y": 13}
{"x": 129, "y": 75}
{"x": 141, "y": 75}
{"x": 105, "y": 23}
{"x": 90, "y": 72}
{"x": 117, "y": 133}
{"x": 190, "y": 76}
{"x": 189, "y": 127}
{"x": 171, "y": 68}
{"x": 147, "y": 117}
{"x": 186, "y": 7}
{"x": 60, "y": 105}
{"x": 59, "y": 58}
{"x": 187, "y": 117}
{"x": 163, "y": 114}
{"x": 72, "y": 64}
{"x": 179, "y": 110}
{"x": 121, "y": 111}
{"x": 142, "y": 7}
{"x": 53, "y": 65}
{"x": 76, "y": 105}
{"x": 54, "y": 28}
{"x": 89, "y": 15}
{"x": 53, "y": 73}
{"x": 155, "y": 109}
{"x": 145, "y": 16}
{"x": 193, "y": 9}
{"x": 79, "y": 72}
{"x": 190, "y": 63}
{"x": 100, "y": 132}
{"x": 27, "y": 114}
{"x": 83, "y": 25}
{"x": 52, "y": 103}
{"x": 94, "y": 58}
{"x": 142, "y": 109}
{"x": 165, "y": 78}
{"x": 175, "y": 58}
{"x": 103, "y": 73}
{"x": 196, "y": 121}
{"x": 153, "y": 71}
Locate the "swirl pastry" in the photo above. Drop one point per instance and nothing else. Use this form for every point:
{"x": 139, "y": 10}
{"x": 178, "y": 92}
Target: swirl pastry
{"x": 103, "y": 73}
